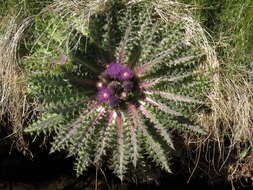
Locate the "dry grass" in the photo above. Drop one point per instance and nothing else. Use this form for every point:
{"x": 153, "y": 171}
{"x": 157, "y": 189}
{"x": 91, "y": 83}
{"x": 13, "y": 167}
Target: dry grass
{"x": 13, "y": 101}
{"x": 230, "y": 125}
{"x": 232, "y": 108}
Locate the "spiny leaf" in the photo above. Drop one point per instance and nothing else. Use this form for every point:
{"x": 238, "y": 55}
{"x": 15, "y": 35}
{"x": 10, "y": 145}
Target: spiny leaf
{"x": 162, "y": 107}
{"x": 103, "y": 139}
{"x": 161, "y": 130}
{"x": 134, "y": 142}
{"x": 72, "y": 129}
{"x": 172, "y": 96}
{"x": 147, "y": 66}
{"x": 120, "y": 146}
{"x": 154, "y": 148}
{"x": 45, "y": 122}
{"x": 152, "y": 82}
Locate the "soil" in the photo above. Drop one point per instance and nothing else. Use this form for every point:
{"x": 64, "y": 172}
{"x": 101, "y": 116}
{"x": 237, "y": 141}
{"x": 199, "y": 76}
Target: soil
{"x": 55, "y": 172}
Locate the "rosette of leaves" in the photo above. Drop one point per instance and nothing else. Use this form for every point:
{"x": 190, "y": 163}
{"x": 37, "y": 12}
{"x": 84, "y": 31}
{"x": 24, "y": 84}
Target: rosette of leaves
{"x": 121, "y": 84}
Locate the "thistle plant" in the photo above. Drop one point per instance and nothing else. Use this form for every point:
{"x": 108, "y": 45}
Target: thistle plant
{"x": 116, "y": 87}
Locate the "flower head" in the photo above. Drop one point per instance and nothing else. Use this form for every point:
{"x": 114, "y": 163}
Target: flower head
{"x": 126, "y": 74}
{"x": 104, "y": 94}
{"x": 114, "y": 70}
{"x": 118, "y": 71}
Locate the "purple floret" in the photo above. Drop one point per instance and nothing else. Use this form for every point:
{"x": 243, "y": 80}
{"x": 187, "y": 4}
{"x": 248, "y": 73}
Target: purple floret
{"x": 114, "y": 70}
{"x": 126, "y": 74}
{"x": 104, "y": 94}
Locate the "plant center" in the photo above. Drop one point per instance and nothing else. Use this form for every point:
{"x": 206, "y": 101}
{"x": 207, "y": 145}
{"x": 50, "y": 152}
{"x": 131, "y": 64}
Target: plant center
{"x": 117, "y": 85}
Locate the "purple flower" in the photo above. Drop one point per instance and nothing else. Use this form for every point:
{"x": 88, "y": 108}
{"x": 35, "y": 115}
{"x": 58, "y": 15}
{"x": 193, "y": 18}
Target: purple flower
{"x": 104, "y": 94}
{"x": 126, "y": 74}
{"x": 114, "y": 70}
{"x": 128, "y": 85}
{"x": 118, "y": 71}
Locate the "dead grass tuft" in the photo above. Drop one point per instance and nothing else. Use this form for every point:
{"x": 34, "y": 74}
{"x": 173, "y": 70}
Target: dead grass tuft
{"x": 230, "y": 125}
{"x": 232, "y": 110}
{"x": 13, "y": 101}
